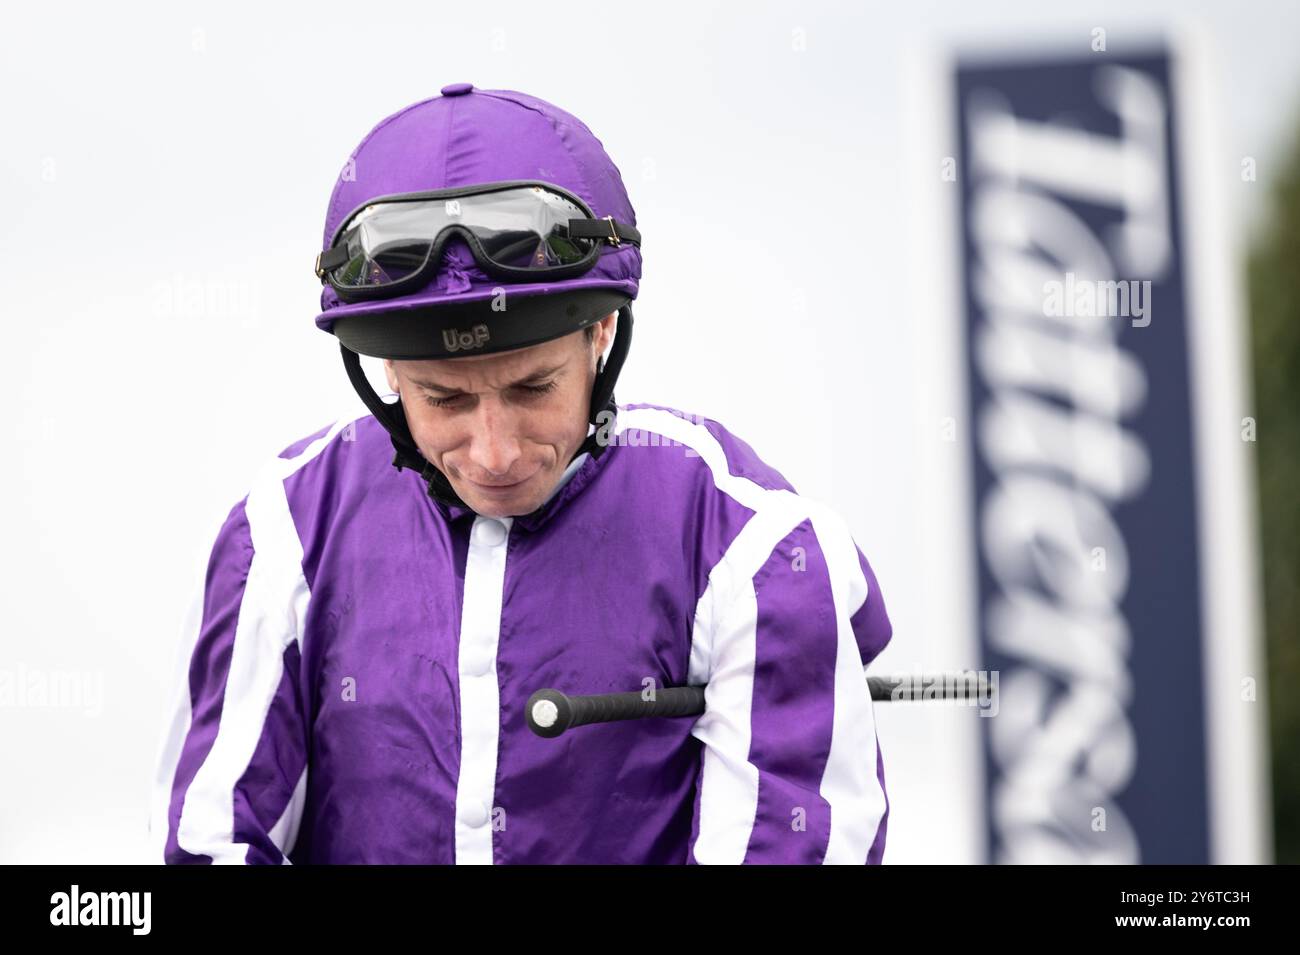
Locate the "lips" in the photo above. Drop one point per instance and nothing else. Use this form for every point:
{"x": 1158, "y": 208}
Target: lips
{"x": 497, "y": 487}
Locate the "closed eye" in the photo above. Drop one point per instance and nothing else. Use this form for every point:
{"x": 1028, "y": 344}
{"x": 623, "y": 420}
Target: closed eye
{"x": 529, "y": 390}
{"x": 538, "y": 389}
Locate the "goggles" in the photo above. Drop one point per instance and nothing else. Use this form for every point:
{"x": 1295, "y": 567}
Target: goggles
{"x": 523, "y": 230}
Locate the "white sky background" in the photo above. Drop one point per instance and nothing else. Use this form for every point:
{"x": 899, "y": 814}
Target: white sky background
{"x": 769, "y": 185}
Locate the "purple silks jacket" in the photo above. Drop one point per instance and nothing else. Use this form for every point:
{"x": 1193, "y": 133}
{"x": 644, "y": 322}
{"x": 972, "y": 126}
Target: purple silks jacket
{"x": 355, "y": 687}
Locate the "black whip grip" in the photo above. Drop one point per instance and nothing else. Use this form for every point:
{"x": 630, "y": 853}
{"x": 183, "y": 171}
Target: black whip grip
{"x": 550, "y": 712}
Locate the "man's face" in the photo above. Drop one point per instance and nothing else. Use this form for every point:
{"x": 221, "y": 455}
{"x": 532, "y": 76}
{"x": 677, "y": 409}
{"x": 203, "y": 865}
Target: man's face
{"x": 503, "y": 427}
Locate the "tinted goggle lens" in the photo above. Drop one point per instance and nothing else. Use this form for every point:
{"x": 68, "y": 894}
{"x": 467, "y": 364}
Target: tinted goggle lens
{"x": 523, "y": 227}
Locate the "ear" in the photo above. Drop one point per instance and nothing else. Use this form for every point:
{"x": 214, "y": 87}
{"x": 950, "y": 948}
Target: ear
{"x": 605, "y": 329}
{"x": 391, "y": 374}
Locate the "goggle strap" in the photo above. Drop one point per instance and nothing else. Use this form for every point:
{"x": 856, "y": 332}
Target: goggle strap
{"x": 331, "y": 258}
{"x": 606, "y": 228}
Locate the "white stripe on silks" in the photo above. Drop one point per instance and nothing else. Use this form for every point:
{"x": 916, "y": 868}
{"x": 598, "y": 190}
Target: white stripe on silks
{"x": 480, "y": 695}
{"x": 177, "y": 725}
{"x": 271, "y": 616}
{"x": 285, "y": 831}
{"x": 729, "y": 781}
{"x": 849, "y": 783}
{"x": 858, "y": 586}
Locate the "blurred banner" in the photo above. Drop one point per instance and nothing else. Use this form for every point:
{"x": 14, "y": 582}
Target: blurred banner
{"x": 1087, "y": 488}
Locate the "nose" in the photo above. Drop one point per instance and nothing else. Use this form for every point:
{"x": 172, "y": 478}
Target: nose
{"x": 494, "y": 448}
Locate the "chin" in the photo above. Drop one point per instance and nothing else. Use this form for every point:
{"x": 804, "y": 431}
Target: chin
{"x": 510, "y": 504}
{"x": 490, "y": 508}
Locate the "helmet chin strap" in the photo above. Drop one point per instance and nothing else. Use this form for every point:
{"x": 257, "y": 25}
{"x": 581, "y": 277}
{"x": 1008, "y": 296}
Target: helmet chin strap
{"x": 408, "y": 455}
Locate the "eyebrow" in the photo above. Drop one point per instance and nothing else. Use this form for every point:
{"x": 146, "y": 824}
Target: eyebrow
{"x": 527, "y": 380}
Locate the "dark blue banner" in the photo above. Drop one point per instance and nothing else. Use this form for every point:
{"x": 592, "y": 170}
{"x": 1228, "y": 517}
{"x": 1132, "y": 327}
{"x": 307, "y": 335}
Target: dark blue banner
{"x": 1089, "y": 589}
